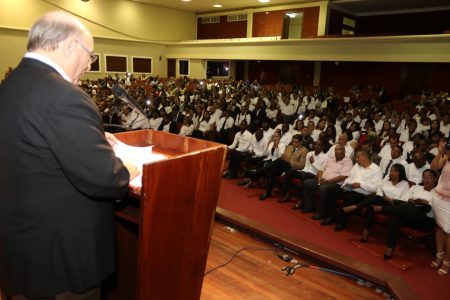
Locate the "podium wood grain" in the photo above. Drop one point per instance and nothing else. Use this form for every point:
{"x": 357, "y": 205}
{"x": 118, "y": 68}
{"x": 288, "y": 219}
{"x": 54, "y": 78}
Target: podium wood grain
{"x": 169, "y": 225}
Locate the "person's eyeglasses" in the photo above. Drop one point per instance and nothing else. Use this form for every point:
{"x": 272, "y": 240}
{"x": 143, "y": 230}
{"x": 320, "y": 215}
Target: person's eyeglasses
{"x": 92, "y": 56}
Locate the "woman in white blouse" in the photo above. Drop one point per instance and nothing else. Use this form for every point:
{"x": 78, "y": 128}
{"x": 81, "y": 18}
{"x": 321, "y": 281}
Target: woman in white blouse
{"x": 413, "y": 209}
{"x": 188, "y": 127}
{"x": 391, "y": 188}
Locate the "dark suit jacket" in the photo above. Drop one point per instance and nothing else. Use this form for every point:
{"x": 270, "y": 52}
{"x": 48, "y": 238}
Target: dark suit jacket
{"x": 56, "y": 173}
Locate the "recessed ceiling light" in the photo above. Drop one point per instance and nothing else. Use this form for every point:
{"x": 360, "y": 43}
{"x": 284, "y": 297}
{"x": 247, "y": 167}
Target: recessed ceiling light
{"x": 263, "y": 1}
{"x": 218, "y": 5}
{"x": 186, "y": 0}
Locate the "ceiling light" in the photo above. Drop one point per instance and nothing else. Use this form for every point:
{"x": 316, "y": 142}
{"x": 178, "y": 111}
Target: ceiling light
{"x": 291, "y": 15}
{"x": 218, "y": 5}
{"x": 186, "y": 0}
{"x": 263, "y": 1}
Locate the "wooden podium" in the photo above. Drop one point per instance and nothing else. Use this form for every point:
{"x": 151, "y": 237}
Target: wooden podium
{"x": 164, "y": 228}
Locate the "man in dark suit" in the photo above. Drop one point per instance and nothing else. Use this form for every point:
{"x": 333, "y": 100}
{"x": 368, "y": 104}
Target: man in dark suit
{"x": 57, "y": 171}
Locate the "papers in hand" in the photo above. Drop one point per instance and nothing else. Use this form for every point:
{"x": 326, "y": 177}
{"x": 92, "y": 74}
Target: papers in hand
{"x": 138, "y": 156}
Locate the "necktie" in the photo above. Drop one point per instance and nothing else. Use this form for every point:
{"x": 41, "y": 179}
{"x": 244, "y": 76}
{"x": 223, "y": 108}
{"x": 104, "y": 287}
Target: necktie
{"x": 387, "y": 168}
{"x": 224, "y": 124}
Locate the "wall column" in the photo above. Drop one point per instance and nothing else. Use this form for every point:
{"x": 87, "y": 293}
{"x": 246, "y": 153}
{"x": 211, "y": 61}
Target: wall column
{"x": 317, "y": 70}
{"x": 249, "y": 23}
{"x": 323, "y": 18}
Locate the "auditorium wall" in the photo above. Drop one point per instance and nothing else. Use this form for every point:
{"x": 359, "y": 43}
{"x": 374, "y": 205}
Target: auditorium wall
{"x": 119, "y": 28}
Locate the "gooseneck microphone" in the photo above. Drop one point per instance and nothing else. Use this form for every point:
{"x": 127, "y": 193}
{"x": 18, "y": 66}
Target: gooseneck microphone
{"x": 120, "y": 92}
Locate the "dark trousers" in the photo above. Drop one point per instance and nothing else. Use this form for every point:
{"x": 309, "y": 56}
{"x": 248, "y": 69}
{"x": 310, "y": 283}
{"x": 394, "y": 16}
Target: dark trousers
{"x": 367, "y": 203}
{"x": 349, "y": 198}
{"x": 235, "y": 158}
{"x": 272, "y": 170}
{"x": 294, "y": 174}
{"x": 328, "y": 195}
{"x": 252, "y": 161}
{"x": 407, "y": 214}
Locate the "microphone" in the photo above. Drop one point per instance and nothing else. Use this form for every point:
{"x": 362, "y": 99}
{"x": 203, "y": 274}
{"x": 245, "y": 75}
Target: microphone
{"x": 122, "y": 94}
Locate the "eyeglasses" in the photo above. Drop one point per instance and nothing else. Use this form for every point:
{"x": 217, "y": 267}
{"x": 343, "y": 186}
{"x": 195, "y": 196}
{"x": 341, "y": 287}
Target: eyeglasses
{"x": 92, "y": 56}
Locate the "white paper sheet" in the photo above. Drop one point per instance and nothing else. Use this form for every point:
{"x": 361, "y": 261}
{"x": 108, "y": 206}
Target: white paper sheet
{"x": 138, "y": 156}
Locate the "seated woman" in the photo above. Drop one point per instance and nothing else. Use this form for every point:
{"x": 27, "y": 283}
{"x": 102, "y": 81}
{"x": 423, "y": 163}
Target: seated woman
{"x": 392, "y": 187}
{"x": 413, "y": 209}
{"x": 294, "y": 157}
{"x": 188, "y": 127}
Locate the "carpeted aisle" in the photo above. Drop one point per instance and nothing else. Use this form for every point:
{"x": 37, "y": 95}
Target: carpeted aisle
{"x": 411, "y": 260}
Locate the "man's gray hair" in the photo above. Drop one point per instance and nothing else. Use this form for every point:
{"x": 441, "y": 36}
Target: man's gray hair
{"x": 51, "y": 29}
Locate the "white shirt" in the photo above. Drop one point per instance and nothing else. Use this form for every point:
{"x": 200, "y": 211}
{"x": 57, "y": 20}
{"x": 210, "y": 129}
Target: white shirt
{"x": 242, "y": 141}
{"x": 318, "y": 160}
{"x": 154, "y": 123}
{"x": 241, "y": 117}
{"x": 418, "y": 192}
{"x": 369, "y": 178}
{"x": 228, "y": 123}
{"x": 268, "y": 134}
{"x": 393, "y": 191}
{"x": 413, "y": 174}
{"x": 348, "y": 151}
{"x": 49, "y": 62}
{"x": 272, "y": 114}
{"x": 277, "y": 152}
{"x": 259, "y": 148}
{"x": 187, "y": 130}
{"x": 137, "y": 120}
{"x": 286, "y": 138}
{"x": 385, "y": 162}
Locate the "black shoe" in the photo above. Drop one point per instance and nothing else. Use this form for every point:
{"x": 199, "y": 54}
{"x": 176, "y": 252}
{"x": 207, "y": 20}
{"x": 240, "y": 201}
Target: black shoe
{"x": 229, "y": 176}
{"x": 364, "y": 239}
{"x": 298, "y": 205}
{"x": 285, "y": 199}
{"x": 318, "y": 217}
{"x": 264, "y": 196}
{"x": 339, "y": 227}
{"x": 327, "y": 221}
{"x": 307, "y": 210}
{"x": 242, "y": 182}
{"x": 388, "y": 254}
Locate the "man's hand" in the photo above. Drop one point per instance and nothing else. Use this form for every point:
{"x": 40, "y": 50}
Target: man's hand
{"x": 112, "y": 140}
{"x": 132, "y": 169}
{"x": 356, "y": 185}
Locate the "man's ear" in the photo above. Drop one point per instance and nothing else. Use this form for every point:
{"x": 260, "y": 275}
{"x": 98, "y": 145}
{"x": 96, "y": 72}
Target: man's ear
{"x": 68, "y": 47}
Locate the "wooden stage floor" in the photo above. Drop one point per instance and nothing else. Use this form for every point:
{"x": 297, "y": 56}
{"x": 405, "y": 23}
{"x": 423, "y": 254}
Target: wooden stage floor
{"x": 256, "y": 274}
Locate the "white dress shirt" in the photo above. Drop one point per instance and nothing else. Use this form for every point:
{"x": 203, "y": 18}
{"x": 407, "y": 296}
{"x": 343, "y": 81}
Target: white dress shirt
{"x": 369, "y": 179}
{"x": 274, "y": 154}
{"x": 414, "y": 174}
{"x": 242, "y": 141}
{"x": 318, "y": 161}
{"x": 393, "y": 191}
{"x": 259, "y": 147}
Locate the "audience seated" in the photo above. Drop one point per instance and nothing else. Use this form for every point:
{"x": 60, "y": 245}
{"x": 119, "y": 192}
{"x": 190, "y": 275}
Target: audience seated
{"x": 320, "y": 118}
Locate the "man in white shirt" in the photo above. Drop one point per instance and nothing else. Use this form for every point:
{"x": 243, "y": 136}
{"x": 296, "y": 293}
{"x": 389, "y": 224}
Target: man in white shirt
{"x": 267, "y": 130}
{"x": 415, "y": 169}
{"x": 364, "y": 180}
{"x": 343, "y": 141}
{"x": 225, "y": 127}
{"x": 239, "y": 150}
{"x": 396, "y": 157}
{"x": 258, "y": 151}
